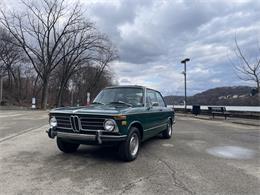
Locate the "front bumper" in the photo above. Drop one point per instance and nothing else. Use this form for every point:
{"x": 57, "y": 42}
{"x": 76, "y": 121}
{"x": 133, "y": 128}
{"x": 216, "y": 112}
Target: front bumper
{"x": 94, "y": 138}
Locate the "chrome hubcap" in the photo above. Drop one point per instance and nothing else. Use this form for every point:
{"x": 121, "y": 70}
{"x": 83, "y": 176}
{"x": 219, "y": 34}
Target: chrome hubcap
{"x": 134, "y": 144}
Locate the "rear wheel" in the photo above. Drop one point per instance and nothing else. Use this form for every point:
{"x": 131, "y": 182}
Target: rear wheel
{"x": 167, "y": 133}
{"x": 66, "y": 147}
{"x": 128, "y": 150}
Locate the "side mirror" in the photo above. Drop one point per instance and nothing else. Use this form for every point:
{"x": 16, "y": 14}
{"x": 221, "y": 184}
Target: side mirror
{"x": 155, "y": 104}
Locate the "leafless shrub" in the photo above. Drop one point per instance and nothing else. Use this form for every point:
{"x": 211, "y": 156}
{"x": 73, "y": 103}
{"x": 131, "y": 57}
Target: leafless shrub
{"x": 246, "y": 70}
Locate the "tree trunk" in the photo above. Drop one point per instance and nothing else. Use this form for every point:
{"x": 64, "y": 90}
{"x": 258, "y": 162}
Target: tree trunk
{"x": 44, "y": 98}
{"x": 19, "y": 86}
{"x": 59, "y": 97}
{"x": 257, "y": 83}
{"x": 1, "y": 88}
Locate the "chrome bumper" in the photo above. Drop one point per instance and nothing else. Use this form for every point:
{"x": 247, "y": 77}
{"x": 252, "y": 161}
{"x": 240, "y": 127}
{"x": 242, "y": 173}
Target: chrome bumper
{"x": 98, "y": 137}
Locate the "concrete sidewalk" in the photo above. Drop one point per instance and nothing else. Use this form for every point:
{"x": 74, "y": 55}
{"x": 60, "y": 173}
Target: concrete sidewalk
{"x": 203, "y": 157}
{"x": 242, "y": 121}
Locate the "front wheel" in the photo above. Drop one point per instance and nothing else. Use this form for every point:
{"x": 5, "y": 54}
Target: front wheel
{"x": 66, "y": 147}
{"x": 128, "y": 150}
{"x": 167, "y": 134}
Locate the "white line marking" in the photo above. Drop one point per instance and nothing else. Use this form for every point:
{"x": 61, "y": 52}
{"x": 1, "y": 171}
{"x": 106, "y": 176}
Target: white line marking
{"x": 21, "y": 133}
{"x": 10, "y": 115}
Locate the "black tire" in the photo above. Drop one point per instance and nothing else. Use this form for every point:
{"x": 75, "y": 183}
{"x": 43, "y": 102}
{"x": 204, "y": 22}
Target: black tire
{"x": 167, "y": 133}
{"x": 66, "y": 147}
{"x": 124, "y": 150}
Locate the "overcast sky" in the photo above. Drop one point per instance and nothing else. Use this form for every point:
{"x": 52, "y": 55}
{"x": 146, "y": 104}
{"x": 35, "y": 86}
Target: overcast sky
{"x": 153, "y": 36}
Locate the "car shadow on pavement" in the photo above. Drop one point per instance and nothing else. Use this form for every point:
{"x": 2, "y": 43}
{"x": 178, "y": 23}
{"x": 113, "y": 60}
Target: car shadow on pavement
{"x": 101, "y": 153}
{"x": 108, "y": 153}
{"x": 152, "y": 141}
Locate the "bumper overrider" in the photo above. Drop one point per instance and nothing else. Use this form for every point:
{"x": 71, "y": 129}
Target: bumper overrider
{"x": 96, "y": 138}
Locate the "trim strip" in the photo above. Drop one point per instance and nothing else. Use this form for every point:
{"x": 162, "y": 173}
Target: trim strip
{"x": 149, "y": 112}
{"x": 155, "y": 127}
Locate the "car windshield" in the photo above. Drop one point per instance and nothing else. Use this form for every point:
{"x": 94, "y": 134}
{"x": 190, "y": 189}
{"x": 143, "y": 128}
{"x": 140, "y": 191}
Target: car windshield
{"x": 123, "y": 96}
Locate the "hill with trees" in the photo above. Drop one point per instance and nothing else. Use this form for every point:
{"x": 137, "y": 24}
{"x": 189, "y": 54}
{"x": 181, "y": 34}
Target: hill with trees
{"x": 229, "y": 96}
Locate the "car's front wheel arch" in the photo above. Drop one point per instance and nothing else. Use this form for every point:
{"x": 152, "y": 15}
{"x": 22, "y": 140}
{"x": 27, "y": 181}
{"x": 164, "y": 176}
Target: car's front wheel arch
{"x": 137, "y": 125}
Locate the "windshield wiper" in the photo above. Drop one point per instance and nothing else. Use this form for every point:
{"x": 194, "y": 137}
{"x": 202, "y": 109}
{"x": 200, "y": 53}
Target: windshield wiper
{"x": 121, "y": 102}
{"x": 98, "y": 103}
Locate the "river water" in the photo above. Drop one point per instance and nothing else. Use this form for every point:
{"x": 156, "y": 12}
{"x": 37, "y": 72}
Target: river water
{"x": 228, "y": 108}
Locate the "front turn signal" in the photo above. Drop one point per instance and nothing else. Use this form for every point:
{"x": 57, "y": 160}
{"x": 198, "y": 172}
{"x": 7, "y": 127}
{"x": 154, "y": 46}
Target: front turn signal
{"x": 120, "y": 117}
{"x": 124, "y": 123}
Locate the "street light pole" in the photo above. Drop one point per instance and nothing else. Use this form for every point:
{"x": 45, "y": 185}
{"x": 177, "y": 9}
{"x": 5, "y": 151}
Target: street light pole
{"x": 185, "y": 81}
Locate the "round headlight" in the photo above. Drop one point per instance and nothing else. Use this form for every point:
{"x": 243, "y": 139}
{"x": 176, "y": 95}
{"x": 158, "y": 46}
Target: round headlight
{"x": 53, "y": 122}
{"x": 109, "y": 125}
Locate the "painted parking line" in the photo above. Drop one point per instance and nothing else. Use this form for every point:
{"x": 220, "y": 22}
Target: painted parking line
{"x": 10, "y": 115}
{"x": 22, "y": 132}
{"x": 25, "y": 114}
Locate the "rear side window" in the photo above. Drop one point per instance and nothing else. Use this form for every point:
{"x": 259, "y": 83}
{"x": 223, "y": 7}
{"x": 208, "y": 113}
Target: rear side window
{"x": 160, "y": 99}
{"x": 151, "y": 97}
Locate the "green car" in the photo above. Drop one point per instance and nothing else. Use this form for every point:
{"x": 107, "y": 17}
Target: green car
{"x": 123, "y": 116}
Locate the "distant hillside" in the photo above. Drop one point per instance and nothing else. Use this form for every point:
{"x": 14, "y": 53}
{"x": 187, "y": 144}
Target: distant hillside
{"x": 174, "y": 100}
{"x": 230, "y": 96}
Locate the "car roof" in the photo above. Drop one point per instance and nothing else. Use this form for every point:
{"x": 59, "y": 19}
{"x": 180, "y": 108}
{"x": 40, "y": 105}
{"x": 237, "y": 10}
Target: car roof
{"x": 130, "y": 86}
{"x": 125, "y": 86}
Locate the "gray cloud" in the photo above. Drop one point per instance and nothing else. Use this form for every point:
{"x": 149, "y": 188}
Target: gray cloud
{"x": 152, "y": 37}
{"x": 162, "y": 34}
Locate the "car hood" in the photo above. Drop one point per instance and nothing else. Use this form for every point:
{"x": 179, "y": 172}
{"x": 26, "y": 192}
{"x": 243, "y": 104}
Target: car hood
{"x": 92, "y": 109}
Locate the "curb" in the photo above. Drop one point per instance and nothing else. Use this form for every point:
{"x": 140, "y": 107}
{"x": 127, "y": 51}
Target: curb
{"x": 210, "y": 119}
{"x": 244, "y": 123}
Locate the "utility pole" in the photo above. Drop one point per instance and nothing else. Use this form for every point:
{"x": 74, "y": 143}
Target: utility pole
{"x": 185, "y": 81}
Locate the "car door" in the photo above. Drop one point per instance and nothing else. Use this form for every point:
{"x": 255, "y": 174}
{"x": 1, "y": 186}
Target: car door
{"x": 164, "y": 114}
{"x": 153, "y": 120}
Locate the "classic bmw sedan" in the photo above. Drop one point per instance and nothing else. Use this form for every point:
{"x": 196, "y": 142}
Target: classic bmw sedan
{"x": 120, "y": 115}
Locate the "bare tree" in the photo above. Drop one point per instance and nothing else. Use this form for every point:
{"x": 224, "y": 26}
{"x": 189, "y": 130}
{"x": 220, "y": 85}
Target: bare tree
{"x": 246, "y": 70}
{"x": 10, "y": 56}
{"x": 106, "y": 56}
{"x": 43, "y": 31}
{"x": 92, "y": 48}
{"x": 82, "y": 85}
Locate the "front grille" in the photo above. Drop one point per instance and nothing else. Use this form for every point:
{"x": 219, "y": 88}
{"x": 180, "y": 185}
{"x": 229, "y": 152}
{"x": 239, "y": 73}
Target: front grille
{"x": 92, "y": 123}
{"x": 75, "y": 123}
{"x": 63, "y": 121}
{"x": 80, "y": 122}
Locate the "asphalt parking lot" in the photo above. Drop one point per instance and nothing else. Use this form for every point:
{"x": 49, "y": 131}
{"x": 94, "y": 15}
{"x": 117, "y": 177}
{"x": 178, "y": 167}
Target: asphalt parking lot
{"x": 203, "y": 157}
